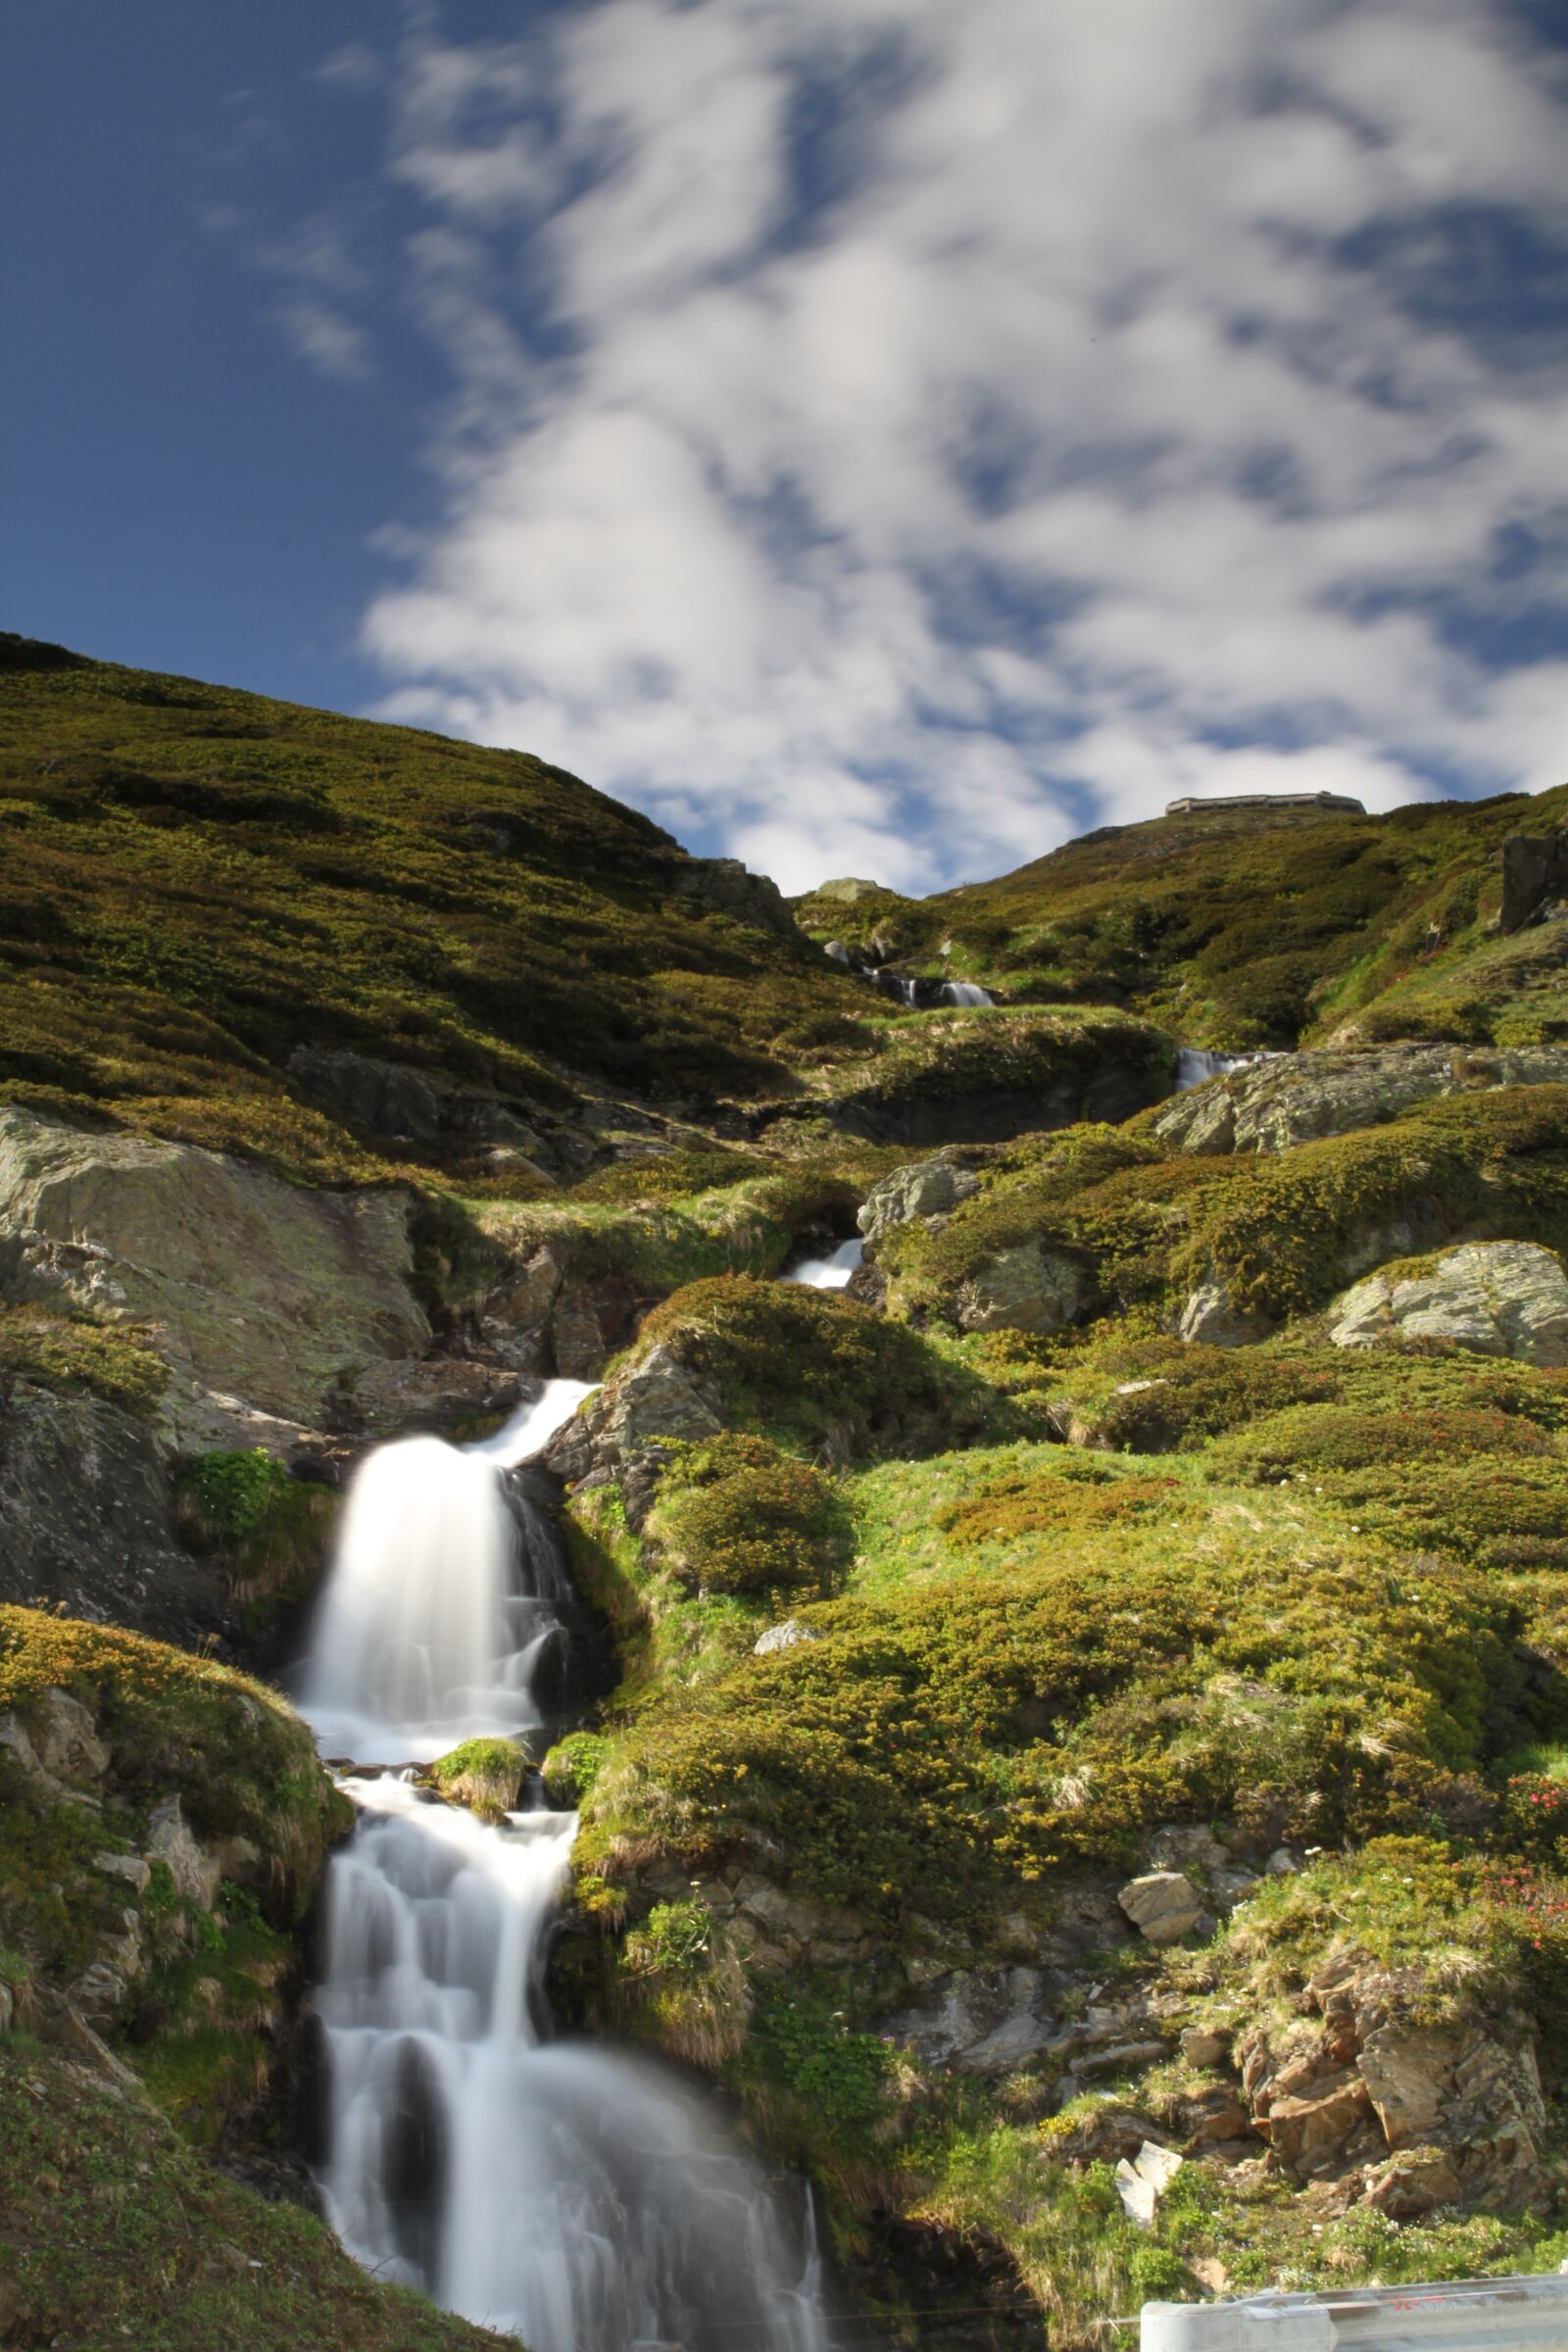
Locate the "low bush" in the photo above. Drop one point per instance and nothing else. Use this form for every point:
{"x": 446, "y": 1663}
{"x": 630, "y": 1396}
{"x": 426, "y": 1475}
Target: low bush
{"x": 737, "y": 1515}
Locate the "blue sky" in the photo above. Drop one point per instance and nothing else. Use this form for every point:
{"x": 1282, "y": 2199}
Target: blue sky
{"x": 873, "y": 436}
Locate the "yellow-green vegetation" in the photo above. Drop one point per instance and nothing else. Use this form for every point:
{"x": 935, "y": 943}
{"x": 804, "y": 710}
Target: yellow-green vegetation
{"x": 1289, "y": 1589}
{"x": 812, "y": 1369}
{"x": 1256, "y": 929}
{"x": 73, "y": 1354}
{"x": 237, "y": 1756}
{"x": 991, "y": 1074}
{"x": 485, "y": 1774}
{"x": 1058, "y": 1680}
{"x": 113, "y": 2230}
{"x": 739, "y": 1516}
{"x": 656, "y": 1224}
{"x": 274, "y": 1531}
{"x": 1283, "y": 1232}
{"x": 198, "y": 881}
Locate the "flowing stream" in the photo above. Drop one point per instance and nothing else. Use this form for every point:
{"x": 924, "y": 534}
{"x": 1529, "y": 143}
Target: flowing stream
{"x": 583, "y": 2198}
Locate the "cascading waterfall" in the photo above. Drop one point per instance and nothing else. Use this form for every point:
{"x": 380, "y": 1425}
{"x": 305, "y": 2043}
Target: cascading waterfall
{"x": 965, "y": 992}
{"x": 827, "y": 1273}
{"x": 583, "y": 2198}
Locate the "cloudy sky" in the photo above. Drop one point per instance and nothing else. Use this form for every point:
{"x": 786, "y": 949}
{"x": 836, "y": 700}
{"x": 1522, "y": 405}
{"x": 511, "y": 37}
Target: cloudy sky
{"x": 876, "y": 436}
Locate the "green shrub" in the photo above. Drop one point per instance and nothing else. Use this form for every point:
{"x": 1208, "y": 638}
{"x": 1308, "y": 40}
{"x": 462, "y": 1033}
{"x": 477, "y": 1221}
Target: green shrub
{"x": 572, "y": 1767}
{"x": 737, "y": 1515}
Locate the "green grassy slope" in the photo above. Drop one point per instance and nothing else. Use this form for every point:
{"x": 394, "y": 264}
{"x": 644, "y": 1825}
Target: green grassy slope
{"x": 1255, "y": 930}
{"x": 198, "y": 881}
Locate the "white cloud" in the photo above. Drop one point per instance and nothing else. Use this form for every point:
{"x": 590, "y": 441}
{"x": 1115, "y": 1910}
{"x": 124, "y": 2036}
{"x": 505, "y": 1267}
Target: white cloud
{"x": 882, "y": 430}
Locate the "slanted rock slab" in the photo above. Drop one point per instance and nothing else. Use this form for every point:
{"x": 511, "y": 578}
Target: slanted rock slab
{"x": 1495, "y": 1298}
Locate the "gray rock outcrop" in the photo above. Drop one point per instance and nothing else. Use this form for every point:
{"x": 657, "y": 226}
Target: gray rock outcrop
{"x": 247, "y": 1285}
{"x": 1293, "y": 1097}
{"x": 1535, "y": 878}
{"x": 730, "y": 886}
{"x": 651, "y": 1403}
{"x": 84, "y": 1502}
{"x": 1495, "y": 1298}
{"x": 929, "y": 1190}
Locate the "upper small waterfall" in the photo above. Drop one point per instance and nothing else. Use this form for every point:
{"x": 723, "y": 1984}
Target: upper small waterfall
{"x": 1196, "y": 1068}
{"x": 827, "y": 1273}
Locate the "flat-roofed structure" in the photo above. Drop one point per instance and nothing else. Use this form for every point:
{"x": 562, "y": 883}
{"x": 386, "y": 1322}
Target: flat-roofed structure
{"x": 1194, "y": 802}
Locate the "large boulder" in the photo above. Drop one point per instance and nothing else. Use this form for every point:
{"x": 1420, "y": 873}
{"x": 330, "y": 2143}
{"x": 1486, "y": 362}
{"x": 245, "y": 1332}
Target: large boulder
{"x": 250, "y": 1286}
{"x": 1293, "y": 1097}
{"x": 927, "y": 1191}
{"x": 654, "y": 1401}
{"x": 1494, "y": 1298}
{"x": 1028, "y": 1287}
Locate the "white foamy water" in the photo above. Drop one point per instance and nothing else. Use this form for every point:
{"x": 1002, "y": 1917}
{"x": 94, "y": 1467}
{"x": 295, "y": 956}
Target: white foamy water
{"x": 585, "y": 2199}
{"x": 827, "y": 1273}
{"x": 436, "y": 1612}
{"x": 965, "y": 992}
{"x": 1194, "y": 1067}
{"x": 569, "y": 2193}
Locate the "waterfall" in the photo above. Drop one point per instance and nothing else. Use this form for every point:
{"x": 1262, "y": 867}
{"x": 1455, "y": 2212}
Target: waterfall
{"x": 1194, "y": 1067}
{"x": 434, "y": 1615}
{"x": 827, "y": 1273}
{"x": 578, "y": 2197}
{"x": 965, "y": 992}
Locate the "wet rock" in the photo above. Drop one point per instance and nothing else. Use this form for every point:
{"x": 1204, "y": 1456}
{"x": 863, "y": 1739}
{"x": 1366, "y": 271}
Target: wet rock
{"x": 395, "y": 1398}
{"x": 1029, "y": 1288}
{"x": 928, "y": 1191}
{"x": 983, "y": 2021}
{"x": 1293, "y": 1098}
{"x": 196, "y": 1873}
{"x": 1507, "y": 1298}
{"x": 247, "y": 1285}
{"x": 1163, "y": 1905}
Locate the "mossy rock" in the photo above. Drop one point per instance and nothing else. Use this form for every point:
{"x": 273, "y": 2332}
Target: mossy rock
{"x": 485, "y": 1774}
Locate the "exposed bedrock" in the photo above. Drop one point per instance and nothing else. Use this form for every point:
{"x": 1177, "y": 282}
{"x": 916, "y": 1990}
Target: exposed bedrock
{"x": 1494, "y": 1298}
{"x": 247, "y": 1285}
{"x": 85, "y": 1507}
{"x": 1293, "y": 1097}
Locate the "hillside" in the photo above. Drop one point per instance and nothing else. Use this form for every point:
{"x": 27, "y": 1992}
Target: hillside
{"x": 1069, "y": 1728}
{"x": 1246, "y": 929}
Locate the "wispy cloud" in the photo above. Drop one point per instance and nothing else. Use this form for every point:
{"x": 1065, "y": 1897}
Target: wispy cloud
{"x": 888, "y": 436}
